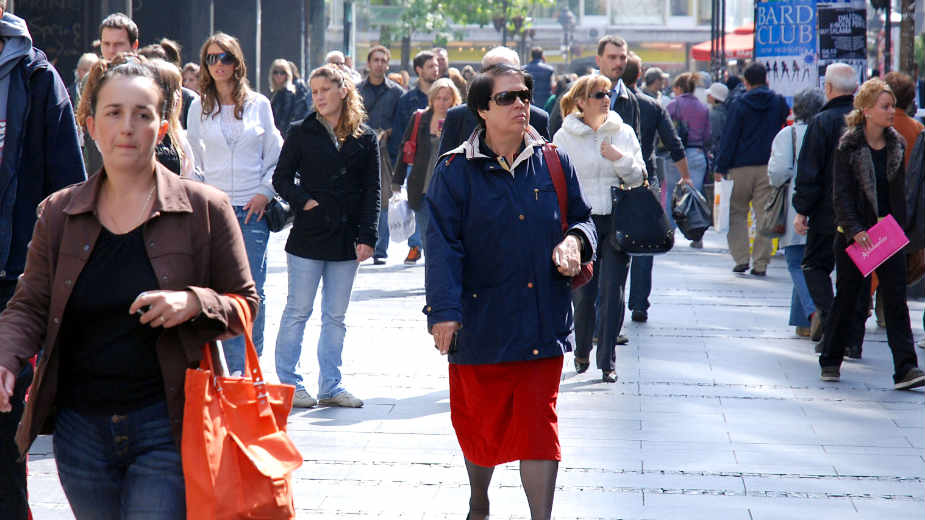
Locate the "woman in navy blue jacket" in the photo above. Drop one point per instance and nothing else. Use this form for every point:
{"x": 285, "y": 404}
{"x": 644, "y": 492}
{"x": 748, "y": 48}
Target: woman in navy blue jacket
{"x": 498, "y": 288}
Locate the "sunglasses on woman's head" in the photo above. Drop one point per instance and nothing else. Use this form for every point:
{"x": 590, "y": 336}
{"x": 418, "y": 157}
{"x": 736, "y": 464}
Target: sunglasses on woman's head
{"x": 503, "y": 99}
{"x": 599, "y": 95}
{"x": 225, "y": 57}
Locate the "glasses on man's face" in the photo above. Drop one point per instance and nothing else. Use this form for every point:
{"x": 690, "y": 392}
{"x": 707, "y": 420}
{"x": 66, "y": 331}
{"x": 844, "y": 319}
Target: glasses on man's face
{"x": 506, "y": 98}
{"x": 224, "y": 57}
{"x": 279, "y": 72}
{"x": 599, "y": 95}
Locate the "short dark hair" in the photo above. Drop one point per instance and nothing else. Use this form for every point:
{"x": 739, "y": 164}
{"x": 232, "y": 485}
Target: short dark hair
{"x": 611, "y": 39}
{"x": 378, "y": 48}
{"x": 807, "y": 103}
{"x": 121, "y": 21}
{"x": 172, "y": 49}
{"x": 903, "y": 88}
{"x": 153, "y": 51}
{"x": 685, "y": 82}
{"x": 421, "y": 58}
{"x": 483, "y": 85}
{"x": 756, "y": 74}
{"x": 536, "y": 53}
{"x": 631, "y": 71}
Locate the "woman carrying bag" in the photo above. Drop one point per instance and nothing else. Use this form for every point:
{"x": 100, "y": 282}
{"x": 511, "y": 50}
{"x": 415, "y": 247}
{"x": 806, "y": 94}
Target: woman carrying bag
{"x": 869, "y": 183}
{"x": 124, "y": 283}
{"x": 605, "y": 153}
{"x": 336, "y": 205}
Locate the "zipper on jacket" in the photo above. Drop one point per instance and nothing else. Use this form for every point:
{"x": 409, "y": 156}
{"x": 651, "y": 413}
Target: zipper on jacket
{"x": 536, "y": 193}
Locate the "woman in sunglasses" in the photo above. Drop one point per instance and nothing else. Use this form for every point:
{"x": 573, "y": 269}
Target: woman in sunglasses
{"x": 288, "y": 106}
{"x": 236, "y": 145}
{"x": 498, "y": 287}
{"x": 605, "y": 153}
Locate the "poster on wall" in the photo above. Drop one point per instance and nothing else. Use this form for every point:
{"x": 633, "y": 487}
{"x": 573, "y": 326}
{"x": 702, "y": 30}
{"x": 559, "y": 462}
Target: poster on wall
{"x": 786, "y": 44}
{"x": 842, "y": 35}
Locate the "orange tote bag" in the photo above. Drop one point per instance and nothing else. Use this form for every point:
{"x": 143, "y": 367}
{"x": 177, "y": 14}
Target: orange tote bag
{"x": 237, "y": 457}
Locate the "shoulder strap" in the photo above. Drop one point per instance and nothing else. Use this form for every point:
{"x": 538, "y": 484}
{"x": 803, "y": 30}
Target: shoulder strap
{"x": 417, "y": 124}
{"x": 793, "y": 135}
{"x": 558, "y": 180}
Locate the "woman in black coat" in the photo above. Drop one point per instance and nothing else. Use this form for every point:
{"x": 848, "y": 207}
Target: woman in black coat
{"x": 336, "y": 205}
{"x": 869, "y": 183}
{"x": 288, "y": 106}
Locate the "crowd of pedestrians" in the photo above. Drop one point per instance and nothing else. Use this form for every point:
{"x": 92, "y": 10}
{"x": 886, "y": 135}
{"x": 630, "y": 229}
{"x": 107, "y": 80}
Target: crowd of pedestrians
{"x": 149, "y": 184}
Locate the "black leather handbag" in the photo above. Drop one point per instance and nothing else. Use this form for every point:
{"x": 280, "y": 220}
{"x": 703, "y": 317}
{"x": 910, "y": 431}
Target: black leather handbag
{"x": 278, "y": 214}
{"x": 640, "y": 225}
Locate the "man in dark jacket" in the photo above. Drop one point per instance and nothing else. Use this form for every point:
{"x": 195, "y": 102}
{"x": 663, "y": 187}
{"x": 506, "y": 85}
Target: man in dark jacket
{"x": 39, "y": 154}
{"x": 460, "y": 122}
{"x": 612, "y": 53}
{"x": 380, "y": 98}
{"x": 812, "y": 196}
{"x": 542, "y": 76}
{"x": 754, "y": 120}
{"x": 425, "y": 66}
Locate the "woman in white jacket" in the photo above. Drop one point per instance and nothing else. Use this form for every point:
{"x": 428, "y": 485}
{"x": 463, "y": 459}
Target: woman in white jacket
{"x": 785, "y": 151}
{"x": 605, "y": 153}
{"x": 236, "y": 145}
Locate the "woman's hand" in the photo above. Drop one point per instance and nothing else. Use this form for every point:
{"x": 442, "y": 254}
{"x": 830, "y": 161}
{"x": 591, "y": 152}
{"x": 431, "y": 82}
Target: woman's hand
{"x": 7, "y": 386}
{"x": 166, "y": 308}
{"x": 363, "y": 252}
{"x": 610, "y": 152}
{"x": 256, "y": 206}
{"x": 310, "y": 205}
{"x": 567, "y": 256}
{"x": 443, "y": 335}
{"x": 863, "y": 240}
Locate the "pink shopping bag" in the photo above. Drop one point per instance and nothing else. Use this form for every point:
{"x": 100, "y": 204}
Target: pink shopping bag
{"x": 886, "y": 237}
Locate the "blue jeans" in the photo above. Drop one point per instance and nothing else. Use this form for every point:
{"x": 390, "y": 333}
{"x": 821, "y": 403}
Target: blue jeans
{"x": 120, "y": 467}
{"x": 256, "y": 235}
{"x": 420, "y": 227}
{"x": 304, "y": 276}
{"x": 801, "y": 302}
{"x": 382, "y": 244}
{"x": 696, "y": 166}
{"x": 640, "y": 282}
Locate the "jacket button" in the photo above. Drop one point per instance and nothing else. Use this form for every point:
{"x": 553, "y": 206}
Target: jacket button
{"x": 475, "y": 295}
{"x": 151, "y": 244}
{"x": 2, "y": 274}
{"x": 67, "y": 282}
{"x": 529, "y": 285}
{"x": 536, "y": 352}
{"x": 86, "y": 247}
{"x": 521, "y": 217}
{"x": 56, "y": 320}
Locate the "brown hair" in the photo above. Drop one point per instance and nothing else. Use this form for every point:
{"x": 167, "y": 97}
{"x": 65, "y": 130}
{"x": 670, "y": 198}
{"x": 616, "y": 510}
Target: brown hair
{"x": 632, "y": 70}
{"x": 125, "y": 65}
{"x": 903, "y": 88}
{"x": 172, "y": 49}
{"x": 121, "y": 21}
{"x": 611, "y": 39}
{"x": 685, "y": 82}
{"x": 461, "y": 85}
{"x": 353, "y": 114}
{"x": 207, "y": 89}
{"x": 378, "y": 48}
{"x": 867, "y": 97}
{"x": 170, "y": 81}
{"x": 580, "y": 90}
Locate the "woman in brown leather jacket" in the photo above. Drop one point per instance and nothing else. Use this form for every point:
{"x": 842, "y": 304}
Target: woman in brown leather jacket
{"x": 125, "y": 280}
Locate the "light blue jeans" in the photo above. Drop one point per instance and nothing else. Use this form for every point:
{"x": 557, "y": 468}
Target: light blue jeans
{"x": 801, "y": 302}
{"x": 256, "y": 236}
{"x": 304, "y": 276}
{"x": 696, "y": 165}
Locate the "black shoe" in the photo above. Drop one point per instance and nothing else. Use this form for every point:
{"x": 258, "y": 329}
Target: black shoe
{"x": 622, "y": 340}
{"x": 853, "y": 352}
{"x": 609, "y": 376}
{"x": 756, "y": 272}
{"x": 581, "y": 365}
{"x": 640, "y": 316}
{"x": 740, "y": 268}
{"x": 914, "y": 378}
{"x": 378, "y": 261}
{"x": 831, "y": 374}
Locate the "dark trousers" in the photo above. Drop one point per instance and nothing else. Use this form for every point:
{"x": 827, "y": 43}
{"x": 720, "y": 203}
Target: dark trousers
{"x": 818, "y": 264}
{"x": 600, "y": 305}
{"x": 14, "y": 503}
{"x": 849, "y": 284}
{"x": 640, "y": 282}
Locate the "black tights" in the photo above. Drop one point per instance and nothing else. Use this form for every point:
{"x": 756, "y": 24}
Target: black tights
{"x": 537, "y": 476}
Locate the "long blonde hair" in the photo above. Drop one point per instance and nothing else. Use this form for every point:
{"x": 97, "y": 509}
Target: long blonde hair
{"x": 439, "y": 85}
{"x": 207, "y": 89}
{"x": 580, "y": 90}
{"x": 281, "y": 64}
{"x": 867, "y": 97}
{"x": 353, "y": 114}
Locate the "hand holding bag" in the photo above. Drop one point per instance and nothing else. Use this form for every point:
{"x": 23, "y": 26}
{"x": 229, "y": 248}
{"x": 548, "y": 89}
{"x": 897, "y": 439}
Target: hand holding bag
{"x": 278, "y": 214}
{"x": 691, "y": 211}
{"x": 401, "y": 218}
{"x": 237, "y": 458}
{"x": 640, "y": 225}
{"x": 558, "y": 181}
{"x": 773, "y": 223}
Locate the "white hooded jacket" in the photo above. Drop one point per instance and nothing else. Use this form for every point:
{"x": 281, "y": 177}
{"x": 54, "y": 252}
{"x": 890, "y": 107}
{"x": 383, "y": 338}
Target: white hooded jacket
{"x": 597, "y": 174}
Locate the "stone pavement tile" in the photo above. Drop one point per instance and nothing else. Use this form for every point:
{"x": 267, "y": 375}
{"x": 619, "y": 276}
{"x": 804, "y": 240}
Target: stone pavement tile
{"x": 778, "y": 455}
{"x": 707, "y": 460}
{"x": 594, "y": 504}
{"x": 414, "y": 441}
{"x": 908, "y": 419}
{"x": 891, "y": 509}
{"x": 785, "y": 508}
{"x": 830, "y": 487}
{"x": 871, "y": 450}
{"x": 658, "y": 402}
{"x": 695, "y": 506}
{"x": 885, "y": 465}
{"x": 597, "y": 458}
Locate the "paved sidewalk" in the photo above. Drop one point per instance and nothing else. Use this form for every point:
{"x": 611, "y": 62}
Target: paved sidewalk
{"x": 719, "y": 413}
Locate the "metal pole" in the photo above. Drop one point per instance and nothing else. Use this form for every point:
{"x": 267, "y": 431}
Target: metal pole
{"x": 258, "y": 67}
{"x": 128, "y": 8}
{"x": 722, "y": 34}
{"x": 888, "y": 43}
{"x": 211, "y": 17}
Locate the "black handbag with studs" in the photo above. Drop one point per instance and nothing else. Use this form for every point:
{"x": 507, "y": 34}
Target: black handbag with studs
{"x": 640, "y": 225}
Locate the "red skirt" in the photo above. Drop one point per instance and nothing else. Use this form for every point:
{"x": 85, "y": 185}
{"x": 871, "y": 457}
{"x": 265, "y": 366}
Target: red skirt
{"x": 506, "y": 411}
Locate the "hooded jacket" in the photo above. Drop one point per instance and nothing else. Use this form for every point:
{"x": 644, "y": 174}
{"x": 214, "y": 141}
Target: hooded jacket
{"x": 40, "y": 149}
{"x": 753, "y": 122}
{"x": 597, "y": 174}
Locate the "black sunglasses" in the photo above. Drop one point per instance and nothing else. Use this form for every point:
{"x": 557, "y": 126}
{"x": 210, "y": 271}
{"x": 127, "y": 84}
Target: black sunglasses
{"x": 599, "y": 95}
{"x": 503, "y": 99}
{"x": 225, "y": 57}
{"x": 279, "y": 73}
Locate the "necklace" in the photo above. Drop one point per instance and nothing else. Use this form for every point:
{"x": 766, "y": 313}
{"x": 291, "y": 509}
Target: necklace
{"x": 141, "y": 214}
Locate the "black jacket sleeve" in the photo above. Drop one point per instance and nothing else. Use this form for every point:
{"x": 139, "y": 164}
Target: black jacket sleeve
{"x": 845, "y": 193}
{"x": 809, "y": 186}
{"x": 450, "y": 139}
{"x": 286, "y": 167}
{"x": 669, "y": 135}
{"x": 369, "y": 209}
{"x": 401, "y": 167}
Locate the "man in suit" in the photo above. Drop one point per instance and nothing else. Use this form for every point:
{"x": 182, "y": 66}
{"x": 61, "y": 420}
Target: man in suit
{"x": 460, "y": 121}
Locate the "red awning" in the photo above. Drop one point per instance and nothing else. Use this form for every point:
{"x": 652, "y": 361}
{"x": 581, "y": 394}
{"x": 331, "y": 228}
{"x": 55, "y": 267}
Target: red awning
{"x": 739, "y": 45}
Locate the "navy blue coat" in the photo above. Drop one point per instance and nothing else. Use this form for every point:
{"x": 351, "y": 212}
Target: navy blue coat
{"x": 41, "y": 154}
{"x": 489, "y": 265}
{"x": 753, "y": 121}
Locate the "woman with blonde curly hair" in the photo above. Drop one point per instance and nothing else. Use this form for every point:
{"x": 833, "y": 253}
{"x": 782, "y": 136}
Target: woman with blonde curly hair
{"x": 336, "y": 206}
{"x": 236, "y": 146}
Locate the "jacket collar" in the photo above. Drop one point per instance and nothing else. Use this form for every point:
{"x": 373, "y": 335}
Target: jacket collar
{"x": 854, "y": 143}
{"x": 171, "y": 196}
{"x": 471, "y": 147}
{"x": 845, "y": 100}
{"x": 576, "y": 125}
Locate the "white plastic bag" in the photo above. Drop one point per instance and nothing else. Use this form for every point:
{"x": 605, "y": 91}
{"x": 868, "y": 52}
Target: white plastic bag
{"x": 721, "y": 202}
{"x": 401, "y": 217}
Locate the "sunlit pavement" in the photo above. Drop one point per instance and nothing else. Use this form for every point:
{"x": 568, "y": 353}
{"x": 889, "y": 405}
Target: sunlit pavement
{"x": 718, "y": 413}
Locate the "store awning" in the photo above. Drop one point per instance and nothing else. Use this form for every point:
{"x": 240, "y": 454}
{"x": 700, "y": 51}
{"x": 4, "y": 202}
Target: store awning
{"x": 740, "y": 45}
